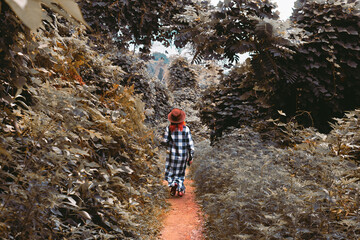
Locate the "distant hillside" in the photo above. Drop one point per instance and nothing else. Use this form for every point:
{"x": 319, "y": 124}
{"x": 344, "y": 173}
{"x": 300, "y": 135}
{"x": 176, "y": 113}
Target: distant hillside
{"x": 158, "y": 66}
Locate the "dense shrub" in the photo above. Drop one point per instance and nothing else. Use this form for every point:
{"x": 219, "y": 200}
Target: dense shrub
{"x": 225, "y": 31}
{"x": 250, "y": 189}
{"x": 327, "y": 81}
{"x": 345, "y": 136}
{"x": 323, "y": 37}
{"x": 181, "y": 75}
{"x": 153, "y": 92}
{"x": 231, "y": 102}
{"x": 76, "y": 161}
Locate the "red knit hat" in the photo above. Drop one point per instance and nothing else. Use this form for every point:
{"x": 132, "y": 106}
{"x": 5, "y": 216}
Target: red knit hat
{"x": 176, "y": 116}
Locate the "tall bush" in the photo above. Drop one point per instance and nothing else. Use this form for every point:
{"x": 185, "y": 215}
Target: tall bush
{"x": 327, "y": 82}
{"x": 180, "y": 75}
{"x": 308, "y": 69}
{"x": 75, "y": 157}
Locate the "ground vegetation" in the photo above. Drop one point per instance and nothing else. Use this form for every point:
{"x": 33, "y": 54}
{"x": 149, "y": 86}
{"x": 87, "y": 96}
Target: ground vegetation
{"x": 77, "y": 160}
{"x": 252, "y": 189}
{"x": 78, "y": 149}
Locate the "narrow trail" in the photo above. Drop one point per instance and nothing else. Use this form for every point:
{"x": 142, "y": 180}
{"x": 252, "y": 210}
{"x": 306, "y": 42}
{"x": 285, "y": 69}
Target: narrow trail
{"x": 184, "y": 220}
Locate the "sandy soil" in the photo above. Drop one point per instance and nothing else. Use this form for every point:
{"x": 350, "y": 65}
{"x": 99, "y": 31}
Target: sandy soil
{"x": 183, "y": 221}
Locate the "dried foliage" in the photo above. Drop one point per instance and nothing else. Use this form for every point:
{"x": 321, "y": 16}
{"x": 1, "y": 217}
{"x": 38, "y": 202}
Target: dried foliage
{"x": 181, "y": 75}
{"x": 31, "y": 12}
{"x": 12, "y": 63}
{"x": 346, "y": 136}
{"x": 76, "y": 159}
{"x": 250, "y": 189}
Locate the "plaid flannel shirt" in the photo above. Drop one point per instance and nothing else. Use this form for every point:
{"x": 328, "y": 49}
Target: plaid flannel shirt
{"x": 180, "y": 149}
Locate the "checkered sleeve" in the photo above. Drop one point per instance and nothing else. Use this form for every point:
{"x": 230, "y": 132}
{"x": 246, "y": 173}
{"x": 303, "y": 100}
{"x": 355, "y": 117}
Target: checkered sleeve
{"x": 165, "y": 140}
{"x": 191, "y": 147}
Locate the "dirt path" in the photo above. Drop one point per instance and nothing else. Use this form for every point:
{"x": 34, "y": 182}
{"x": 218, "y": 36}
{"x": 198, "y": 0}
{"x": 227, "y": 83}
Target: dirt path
{"x": 183, "y": 221}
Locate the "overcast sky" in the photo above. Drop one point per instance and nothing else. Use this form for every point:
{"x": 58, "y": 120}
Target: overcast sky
{"x": 284, "y": 7}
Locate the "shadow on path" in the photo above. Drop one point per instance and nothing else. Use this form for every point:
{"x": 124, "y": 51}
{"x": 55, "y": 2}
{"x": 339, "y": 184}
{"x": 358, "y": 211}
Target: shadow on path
{"x": 184, "y": 220}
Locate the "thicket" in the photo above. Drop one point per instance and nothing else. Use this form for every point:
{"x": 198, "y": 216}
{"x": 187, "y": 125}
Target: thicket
{"x": 153, "y": 92}
{"x": 181, "y": 75}
{"x": 224, "y": 31}
{"x": 231, "y": 103}
{"x": 251, "y": 189}
{"x": 132, "y": 22}
{"x": 327, "y": 81}
{"x": 76, "y": 158}
{"x": 308, "y": 68}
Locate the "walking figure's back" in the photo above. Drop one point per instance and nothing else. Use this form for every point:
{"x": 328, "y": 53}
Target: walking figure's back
{"x": 179, "y": 153}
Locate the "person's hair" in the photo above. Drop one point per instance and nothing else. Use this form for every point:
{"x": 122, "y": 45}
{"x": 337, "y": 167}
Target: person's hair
{"x": 176, "y": 126}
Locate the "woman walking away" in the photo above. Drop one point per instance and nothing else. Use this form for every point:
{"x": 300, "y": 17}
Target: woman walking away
{"x": 180, "y": 151}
